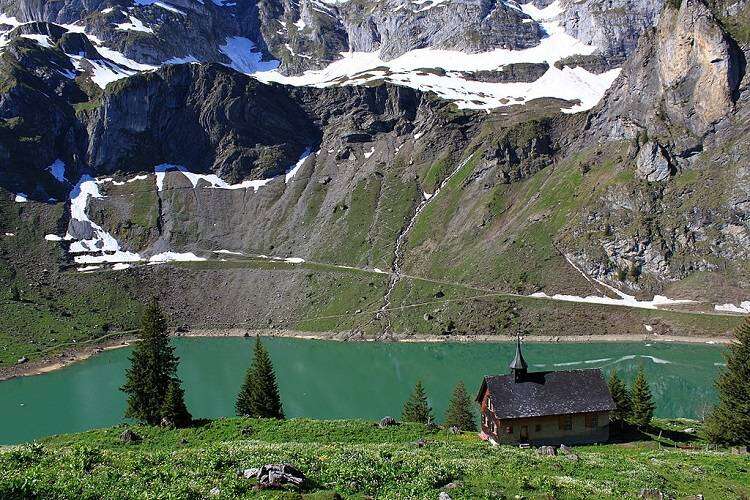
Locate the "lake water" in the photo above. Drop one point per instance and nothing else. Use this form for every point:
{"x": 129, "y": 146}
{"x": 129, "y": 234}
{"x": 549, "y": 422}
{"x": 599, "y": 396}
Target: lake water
{"x": 327, "y": 379}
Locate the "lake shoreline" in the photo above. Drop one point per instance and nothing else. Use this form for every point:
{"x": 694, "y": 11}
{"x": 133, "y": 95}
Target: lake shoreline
{"x": 76, "y": 354}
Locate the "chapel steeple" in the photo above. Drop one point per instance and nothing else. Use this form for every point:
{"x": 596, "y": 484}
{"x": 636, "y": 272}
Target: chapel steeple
{"x": 518, "y": 366}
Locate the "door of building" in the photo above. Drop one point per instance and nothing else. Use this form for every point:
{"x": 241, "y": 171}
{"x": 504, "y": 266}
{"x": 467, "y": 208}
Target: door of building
{"x": 524, "y": 433}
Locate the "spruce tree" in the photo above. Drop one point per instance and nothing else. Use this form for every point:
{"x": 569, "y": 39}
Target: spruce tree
{"x": 729, "y": 422}
{"x": 459, "y": 411}
{"x": 416, "y": 408}
{"x": 153, "y": 367}
{"x": 621, "y": 396}
{"x": 174, "y": 413}
{"x": 642, "y": 401}
{"x": 259, "y": 395}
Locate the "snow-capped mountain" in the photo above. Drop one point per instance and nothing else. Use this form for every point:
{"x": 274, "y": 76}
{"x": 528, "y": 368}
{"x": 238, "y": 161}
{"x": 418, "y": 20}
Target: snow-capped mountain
{"x": 591, "y": 152}
{"x": 479, "y": 54}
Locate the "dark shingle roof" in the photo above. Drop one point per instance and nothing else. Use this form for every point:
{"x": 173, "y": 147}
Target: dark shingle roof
{"x": 548, "y": 393}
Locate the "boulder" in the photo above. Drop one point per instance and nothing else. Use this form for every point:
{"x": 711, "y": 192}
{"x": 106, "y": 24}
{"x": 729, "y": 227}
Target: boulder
{"x": 387, "y": 422}
{"x": 247, "y": 431}
{"x": 130, "y": 437}
{"x": 454, "y": 429}
{"x": 547, "y": 451}
{"x": 215, "y": 491}
{"x": 275, "y": 476}
{"x": 565, "y": 449}
{"x": 444, "y": 496}
{"x": 653, "y": 494}
{"x": 22, "y": 360}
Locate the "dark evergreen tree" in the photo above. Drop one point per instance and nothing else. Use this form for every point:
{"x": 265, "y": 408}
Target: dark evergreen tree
{"x": 153, "y": 367}
{"x": 259, "y": 395}
{"x": 641, "y": 400}
{"x": 459, "y": 411}
{"x": 729, "y": 422}
{"x": 416, "y": 408}
{"x": 621, "y": 395}
{"x": 174, "y": 413}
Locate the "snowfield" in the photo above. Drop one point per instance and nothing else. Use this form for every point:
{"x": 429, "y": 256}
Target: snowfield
{"x": 430, "y": 70}
{"x": 447, "y": 81}
{"x": 742, "y": 308}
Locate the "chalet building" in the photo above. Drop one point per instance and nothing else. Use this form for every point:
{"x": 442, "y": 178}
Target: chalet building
{"x": 545, "y": 408}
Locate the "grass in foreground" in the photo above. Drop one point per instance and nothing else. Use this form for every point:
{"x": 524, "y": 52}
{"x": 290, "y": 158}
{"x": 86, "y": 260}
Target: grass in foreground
{"x": 356, "y": 459}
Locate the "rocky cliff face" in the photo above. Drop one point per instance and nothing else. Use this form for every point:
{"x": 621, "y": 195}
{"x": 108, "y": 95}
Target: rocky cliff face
{"x": 647, "y": 192}
{"x": 681, "y": 103}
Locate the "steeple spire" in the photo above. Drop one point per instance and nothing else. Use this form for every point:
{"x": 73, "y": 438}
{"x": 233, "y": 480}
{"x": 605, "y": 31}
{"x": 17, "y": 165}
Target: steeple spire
{"x": 518, "y": 366}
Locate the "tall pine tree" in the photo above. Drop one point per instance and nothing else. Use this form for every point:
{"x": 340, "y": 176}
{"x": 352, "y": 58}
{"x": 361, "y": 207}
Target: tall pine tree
{"x": 642, "y": 401}
{"x": 459, "y": 411}
{"x": 729, "y": 422}
{"x": 259, "y": 395}
{"x": 153, "y": 367}
{"x": 174, "y": 413}
{"x": 621, "y": 396}
{"x": 416, "y": 408}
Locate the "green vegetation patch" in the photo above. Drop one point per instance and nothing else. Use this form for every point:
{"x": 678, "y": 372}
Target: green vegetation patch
{"x": 355, "y": 458}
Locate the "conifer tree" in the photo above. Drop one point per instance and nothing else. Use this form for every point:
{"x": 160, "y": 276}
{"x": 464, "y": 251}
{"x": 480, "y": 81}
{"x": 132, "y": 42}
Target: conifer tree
{"x": 174, "y": 413}
{"x": 621, "y": 396}
{"x": 416, "y": 408}
{"x": 459, "y": 411}
{"x": 259, "y": 395}
{"x": 641, "y": 400}
{"x": 153, "y": 367}
{"x": 729, "y": 422}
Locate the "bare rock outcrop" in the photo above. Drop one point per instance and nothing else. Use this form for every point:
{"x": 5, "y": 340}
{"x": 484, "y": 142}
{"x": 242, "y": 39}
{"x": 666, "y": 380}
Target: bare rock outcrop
{"x": 651, "y": 163}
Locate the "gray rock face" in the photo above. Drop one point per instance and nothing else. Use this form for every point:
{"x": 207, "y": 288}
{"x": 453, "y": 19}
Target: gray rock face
{"x": 237, "y": 138}
{"x": 683, "y": 77}
{"x": 465, "y": 25}
{"x": 651, "y": 164}
{"x": 313, "y": 34}
{"x": 613, "y": 26}
{"x": 520, "y": 72}
{"x": 310, "y": 34}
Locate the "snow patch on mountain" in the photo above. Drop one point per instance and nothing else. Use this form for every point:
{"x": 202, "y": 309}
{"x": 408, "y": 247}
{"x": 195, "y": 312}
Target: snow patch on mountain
{"x": 216, "y": 182}
{"x": 176, "y": 257}
{"x": 624, "y": 300}
{"x": 57, "y": 169}
{"x": 101, "y": 246}
{"x": 163, "y": 5}
{"x": 42, "y": 40}
{"x": 245, "y": 57}
{"x": 135, "y": 24}
{"x": 440, "y": 71}
{"x": 742, "y": 308}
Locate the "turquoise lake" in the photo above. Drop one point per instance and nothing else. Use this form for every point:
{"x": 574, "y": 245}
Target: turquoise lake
{"x": 331, "y": 380}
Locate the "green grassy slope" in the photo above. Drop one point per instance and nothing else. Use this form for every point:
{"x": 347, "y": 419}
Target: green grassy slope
{"x": 356, "y": 459}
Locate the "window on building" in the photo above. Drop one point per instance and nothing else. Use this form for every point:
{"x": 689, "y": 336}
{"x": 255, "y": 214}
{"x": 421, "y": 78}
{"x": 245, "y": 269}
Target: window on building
{"x": 538, "y": 427}
{"x": 509, "y": 429}
{"x": 566, "y": 422}
{"x": 489, "y": 403}
{"x": 592, "y": 420}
